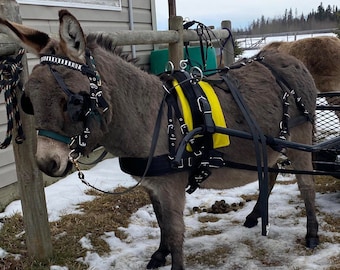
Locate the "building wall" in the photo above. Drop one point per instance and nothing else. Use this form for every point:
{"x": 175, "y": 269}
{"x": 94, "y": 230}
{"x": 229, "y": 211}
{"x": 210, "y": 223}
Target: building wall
{"x": 43, "y": 17}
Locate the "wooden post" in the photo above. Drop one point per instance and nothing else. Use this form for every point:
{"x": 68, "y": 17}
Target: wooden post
{"x": 172, "y": 8}
{"x": 228, "y": 50}
{"x": 30, "y": 182}
{"x": 176, "y": 49}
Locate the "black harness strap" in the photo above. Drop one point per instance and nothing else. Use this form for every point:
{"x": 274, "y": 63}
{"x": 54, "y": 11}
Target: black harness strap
{"x": 261, "y": 153}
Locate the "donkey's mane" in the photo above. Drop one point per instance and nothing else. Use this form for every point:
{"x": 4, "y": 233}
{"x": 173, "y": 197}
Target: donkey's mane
{"x": 107, "y": 43}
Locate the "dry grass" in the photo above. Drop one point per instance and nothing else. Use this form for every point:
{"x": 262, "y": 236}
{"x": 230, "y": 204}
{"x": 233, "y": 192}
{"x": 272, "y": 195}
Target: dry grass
{"x": 105, "y": 213}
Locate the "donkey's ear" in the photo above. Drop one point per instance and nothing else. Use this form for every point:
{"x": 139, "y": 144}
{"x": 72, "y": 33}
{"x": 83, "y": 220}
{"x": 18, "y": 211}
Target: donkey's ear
{"x": 30, "y": 39}
{"x": 72, "y": 39}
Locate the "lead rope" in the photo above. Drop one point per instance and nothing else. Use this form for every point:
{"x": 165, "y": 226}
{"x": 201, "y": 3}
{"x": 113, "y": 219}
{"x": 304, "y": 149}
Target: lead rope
{"x": 10, "y": 69}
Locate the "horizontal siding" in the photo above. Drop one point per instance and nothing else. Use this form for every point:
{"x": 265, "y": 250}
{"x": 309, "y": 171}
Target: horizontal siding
{"x": 8, "y": 175}
{"x": 45, "y": 19}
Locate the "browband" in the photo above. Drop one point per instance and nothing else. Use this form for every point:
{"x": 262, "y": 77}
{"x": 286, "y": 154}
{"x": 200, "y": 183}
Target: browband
{"x": 57, "y": 60}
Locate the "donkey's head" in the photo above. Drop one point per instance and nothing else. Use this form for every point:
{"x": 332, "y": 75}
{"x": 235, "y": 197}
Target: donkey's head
{"x": 58, "y": 92}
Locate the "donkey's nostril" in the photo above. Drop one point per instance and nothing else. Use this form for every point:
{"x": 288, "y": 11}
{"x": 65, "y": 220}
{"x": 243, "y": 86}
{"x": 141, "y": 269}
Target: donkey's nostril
{"x": 53, "y": 166}
{"x": 49, "y": 166}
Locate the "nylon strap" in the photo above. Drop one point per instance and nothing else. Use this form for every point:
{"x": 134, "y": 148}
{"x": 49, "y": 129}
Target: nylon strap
{"x": 54, "y": 135}
{"x": 260, "y": 152}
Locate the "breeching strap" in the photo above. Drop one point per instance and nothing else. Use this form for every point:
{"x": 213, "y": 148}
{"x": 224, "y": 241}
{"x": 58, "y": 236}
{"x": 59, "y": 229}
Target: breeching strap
{"x": 261, "y": 154}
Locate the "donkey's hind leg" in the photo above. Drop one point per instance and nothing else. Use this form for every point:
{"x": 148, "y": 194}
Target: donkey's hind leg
{"x": 302, "y": 160}
{"x": 251, "y": 219}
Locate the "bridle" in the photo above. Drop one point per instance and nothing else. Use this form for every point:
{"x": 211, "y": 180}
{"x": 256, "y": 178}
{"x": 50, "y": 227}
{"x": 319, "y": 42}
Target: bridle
{"x": 80, "y": 106}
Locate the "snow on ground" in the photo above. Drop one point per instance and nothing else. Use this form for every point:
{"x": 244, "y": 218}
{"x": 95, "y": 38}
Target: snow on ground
{"x": 280, "y": 248}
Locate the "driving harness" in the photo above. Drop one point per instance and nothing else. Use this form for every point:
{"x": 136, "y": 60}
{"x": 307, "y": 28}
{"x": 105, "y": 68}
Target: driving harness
{"x": 204, "y": 156}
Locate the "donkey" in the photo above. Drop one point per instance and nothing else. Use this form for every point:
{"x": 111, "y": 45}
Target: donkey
{"x": 127, "y": 108}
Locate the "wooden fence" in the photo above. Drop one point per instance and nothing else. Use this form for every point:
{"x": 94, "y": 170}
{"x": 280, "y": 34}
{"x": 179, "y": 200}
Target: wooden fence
{"x": 31, "y": 190}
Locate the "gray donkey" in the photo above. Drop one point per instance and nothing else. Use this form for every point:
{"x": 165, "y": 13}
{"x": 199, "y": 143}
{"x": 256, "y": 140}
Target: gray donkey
{"x": 122, "y": 116}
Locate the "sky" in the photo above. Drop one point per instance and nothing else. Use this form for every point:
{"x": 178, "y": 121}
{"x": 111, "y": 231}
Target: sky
{"x": 286, "y": 231}
{"x": 240, "y": 13}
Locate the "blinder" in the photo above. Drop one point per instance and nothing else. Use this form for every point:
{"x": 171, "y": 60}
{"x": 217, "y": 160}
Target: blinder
{"x": 77, "y": 105}
{"x": 26, "y": 104}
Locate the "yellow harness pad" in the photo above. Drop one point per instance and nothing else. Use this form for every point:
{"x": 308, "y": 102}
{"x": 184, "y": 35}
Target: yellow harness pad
{"x": 219, "y": 140}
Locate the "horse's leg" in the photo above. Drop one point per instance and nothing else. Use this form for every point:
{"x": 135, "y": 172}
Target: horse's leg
{"x": 168, "y": 200}
{"x": 251, "y": 219}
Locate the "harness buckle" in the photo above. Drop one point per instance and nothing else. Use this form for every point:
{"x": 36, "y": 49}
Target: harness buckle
{"x": 181, "y": 164}
{"x": 190, "y": 163}
{"x": 216, "y": 162}
{"x": 199, "y": 99}
{"x": 184, "y": 128}
{"x": 170, "y": 127}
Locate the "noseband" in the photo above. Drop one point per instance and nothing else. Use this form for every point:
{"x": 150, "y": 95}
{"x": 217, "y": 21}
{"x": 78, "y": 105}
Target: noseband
{"x": 80, "y": 106}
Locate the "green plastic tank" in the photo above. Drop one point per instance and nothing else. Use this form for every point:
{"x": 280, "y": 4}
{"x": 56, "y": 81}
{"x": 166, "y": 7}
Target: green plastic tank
{"x": 159, "y": 59}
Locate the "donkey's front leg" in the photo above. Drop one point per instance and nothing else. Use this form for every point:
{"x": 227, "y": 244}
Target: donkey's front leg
{"x": 168, "y": 199}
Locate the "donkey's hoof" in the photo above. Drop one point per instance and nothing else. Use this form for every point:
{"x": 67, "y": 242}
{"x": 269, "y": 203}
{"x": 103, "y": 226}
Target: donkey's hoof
{"x": 250, "y": 222}
{"x": 157, "y": 260}
{"x": 312, "y": 242}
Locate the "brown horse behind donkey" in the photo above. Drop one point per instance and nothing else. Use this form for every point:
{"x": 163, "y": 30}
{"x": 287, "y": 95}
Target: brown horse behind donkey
{"x": 321, "y": 56}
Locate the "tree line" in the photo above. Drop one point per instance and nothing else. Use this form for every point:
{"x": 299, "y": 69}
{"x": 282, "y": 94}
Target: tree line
{"x": 321, "y": 18}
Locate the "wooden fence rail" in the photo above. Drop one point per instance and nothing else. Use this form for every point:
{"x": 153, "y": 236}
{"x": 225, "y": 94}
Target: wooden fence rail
{"x": 142, "y": 37}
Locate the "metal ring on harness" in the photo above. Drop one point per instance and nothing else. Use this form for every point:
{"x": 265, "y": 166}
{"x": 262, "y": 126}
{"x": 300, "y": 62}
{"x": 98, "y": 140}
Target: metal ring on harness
{"x": 196, "y": 73}
{"x": 171, "y": 65}
{"x": 183, "y": 64}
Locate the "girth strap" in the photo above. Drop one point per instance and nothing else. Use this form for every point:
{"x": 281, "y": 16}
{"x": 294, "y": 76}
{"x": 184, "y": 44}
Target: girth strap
{"x": 161, "y": 165}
